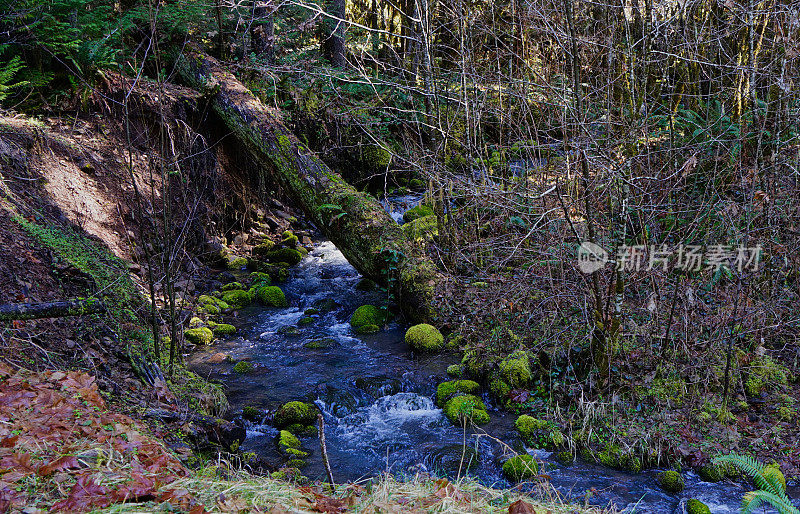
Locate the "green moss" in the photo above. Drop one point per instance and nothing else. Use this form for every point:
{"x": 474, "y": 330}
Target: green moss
{"x": 288, "y": 255}
{"x": 455, "y": 370}
{"x": 200, "y": 335}
{"x": 520, "y": 467}
{"x": 242, "y": 367}
{"x": 295, "y": 413}
{"x": 317, "y": 344}
{"x": 417, "y": 212}
{"x": 772, "y": 473}
{"x": 224, "y": 329}
{"x": 711, "y": 473}
{"x": 289, "y": 239}
{"x": 424, "y": 338}
{"x": 289, "y": 330}
{"x": 311, "y": 311}
{"x": 237, "y": 299}
{"x": 565, "y": 457}
{"x": 196, "y": 322}
{"x": 530, "y": 428}
{"x": 515, "y": 369}
{"x": 237, "y": 263}
{"x": 259, "y": 278}
{"x": 375, "y": 157}
{"x": 232, "y": 286}
{"x": 764, "y": 374}
{"x": 369, "y": 329}
{"x": 252, "y": 413}
{"x": 287, "y": 439}
{"x": 263, "y": 248}
{"x": 447, "y": 390}
{"x": 295, "y": 453}
{"x": 366, "y": 284}
{"x": 305, "y": 320}
{"x": 754, "y": 386}
{"x": 670, "y": 481}
{"x": 695, "y": 506}
{"x": 272, "y": 296}
{"x": 467, "y": 407}
{"x": 296, "y": 463}
{"x": 421, "y": 229}
{"x": 785, "y": 413}
{"x": 499, "y": 389}
{"x": 366, "y": 318}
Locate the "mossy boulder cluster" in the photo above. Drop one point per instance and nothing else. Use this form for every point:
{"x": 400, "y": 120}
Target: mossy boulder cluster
{"x": 466, "y": 408}
{"x": 367, "y": 319}
{"x": 208, "y": 304}
{"x": 539, "y": 433}
{"x": 424, "y": 338}
{"x": 671, "y": 481}
{"x": 520, "y": 467}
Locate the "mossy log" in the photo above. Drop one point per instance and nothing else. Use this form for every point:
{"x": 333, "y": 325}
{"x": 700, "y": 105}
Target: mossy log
{"x": 60, "y": 309}
{"x": 354, "y": 221}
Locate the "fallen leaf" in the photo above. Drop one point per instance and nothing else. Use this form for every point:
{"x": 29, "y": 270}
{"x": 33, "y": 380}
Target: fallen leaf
{"x": 521, "y": 507}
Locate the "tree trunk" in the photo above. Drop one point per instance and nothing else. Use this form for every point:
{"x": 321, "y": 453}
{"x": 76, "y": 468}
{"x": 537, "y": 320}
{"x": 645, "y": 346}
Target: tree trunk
{"x": 354, "y": 221}
{"x": 263, "y": 33}
{"x": 60, "y": 309}
{"x": 333, "y": 37}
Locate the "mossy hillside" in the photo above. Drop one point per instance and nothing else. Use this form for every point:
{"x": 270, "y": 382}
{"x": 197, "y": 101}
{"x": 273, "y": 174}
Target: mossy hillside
{"x": 520, "y": 467}
{"x": 424, "y": 338}
{"x": 468, "y": 408}
{"x": 447, "y": 390}
{"x": 366, "y": 318}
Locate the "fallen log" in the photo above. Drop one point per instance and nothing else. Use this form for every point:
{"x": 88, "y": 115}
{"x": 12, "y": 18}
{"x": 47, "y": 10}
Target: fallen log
{"x": 354, "y": 221}
{"x": 60, "y": 309}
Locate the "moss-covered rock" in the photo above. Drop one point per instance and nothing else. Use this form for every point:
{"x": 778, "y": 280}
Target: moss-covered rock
{"x": 231, "y": 286}
{"x": 252, "y": 413}
{"x": 520, "y": 467}
{"x": 272, "y": 296}
{"x": 670, "y": 481}
{"x": 211, "y": 304}
{"x": 455, "y": 370}
{"x": 318, "y": 344}
{"x": 196, "y": 322}
{"x": 288, "y": 255}
{"x": 695, "y": 506}
{"x": 424, "y": 338}
{"x": 263, "y": 248}
{"x": 237, "y": 263}
{"x": 499, "y": 388}
{"x": 259, "y": 279}
{"x": 515, "y": 370}
{"x": 466, "y": 407}
{"x": 288, "y": 330}
{"x": 711, "y": 473}
{"x": 311, "y": 311}
{"x": 539, "y": 433}
{"x": 447, "y": 390}
{"x": 326, "y": 305}
{"x": 243, "y": 367}
{"x": 289, "y": 239}
{"x": 223, "y": 329}
{"x": 200, "y": 335}
{"x": 417, "y": 212}
{"x": 287, "y": 439}
{"x": 295, "y": 413}
{"x": 773, "y": 474}
{"x": 366, "y": 318}
{"x": 237, "y": 298}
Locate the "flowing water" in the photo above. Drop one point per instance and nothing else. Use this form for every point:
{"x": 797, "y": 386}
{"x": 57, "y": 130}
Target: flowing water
{"x": 376, "y": 397}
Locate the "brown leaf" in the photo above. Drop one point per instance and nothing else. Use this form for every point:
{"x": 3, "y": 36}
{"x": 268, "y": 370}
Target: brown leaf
{"x": 521, "y": 507}
{"x": 60, "y": 464}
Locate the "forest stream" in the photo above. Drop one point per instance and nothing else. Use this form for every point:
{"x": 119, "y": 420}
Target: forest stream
{"x": 377, "y": 397}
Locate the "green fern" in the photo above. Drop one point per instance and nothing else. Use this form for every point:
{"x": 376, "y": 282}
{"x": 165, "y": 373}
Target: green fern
{"x": 770, "y": 486}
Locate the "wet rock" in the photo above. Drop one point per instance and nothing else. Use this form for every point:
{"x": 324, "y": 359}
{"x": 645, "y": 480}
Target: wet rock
{"x": 326, "y": 305}
{"x": 338, "y": 402}
{"x": 218, "y": 431}
{"x": 218, "y": 358}
{"x": 447, "y": 460}
{"x": 379, "y": 386}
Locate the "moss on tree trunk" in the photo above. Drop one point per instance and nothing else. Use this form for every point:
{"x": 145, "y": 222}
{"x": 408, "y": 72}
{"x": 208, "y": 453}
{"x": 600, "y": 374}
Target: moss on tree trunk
{"x": 354, "y": 221}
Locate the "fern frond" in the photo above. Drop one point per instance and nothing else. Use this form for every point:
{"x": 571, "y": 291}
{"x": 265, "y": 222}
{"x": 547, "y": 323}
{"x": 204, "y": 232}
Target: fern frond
{"x": 752, "y": 468}
{"x": 755, "y": 499}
